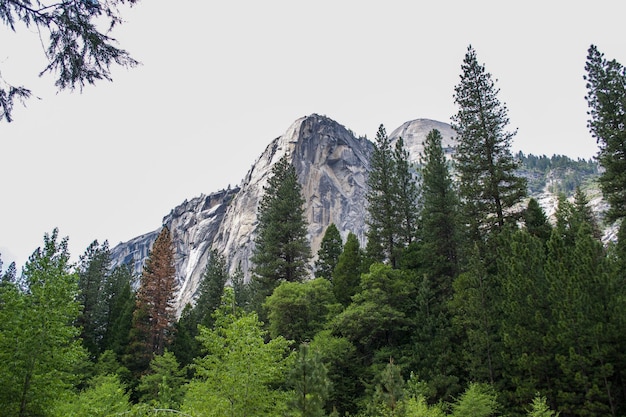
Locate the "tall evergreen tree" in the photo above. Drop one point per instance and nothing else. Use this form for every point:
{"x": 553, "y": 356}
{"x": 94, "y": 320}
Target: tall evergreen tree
{"x": 536, "y": 221}
{"x": 526, "y": 318}
{"x": 211, "y": 289}
{"x": 282, "y": 250}
{"x": 309, "y": 381}
{"x": 120, "y": 301}
{"x": 439, "y": 234}
{"x": 585, "y": 301}
{"x": 488, "y": 186}
{"x": 347, "y": 273}
{"x": 92, "y": 276}
{"x": 475, "y": 306}
{"x": 382, "y": 210}
{"x": 153, "y": 318}
{"x": 606, "y": 97}
{"x": 407, "y": 198}
{"x": 328, "y": 254}
{"x": 585, "y": 213}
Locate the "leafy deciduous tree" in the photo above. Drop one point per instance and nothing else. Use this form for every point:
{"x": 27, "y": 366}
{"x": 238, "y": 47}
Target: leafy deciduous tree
{"x": 238, "y": 374}
{"x": 297, "y": 311}
{"x": 39, "y": 347}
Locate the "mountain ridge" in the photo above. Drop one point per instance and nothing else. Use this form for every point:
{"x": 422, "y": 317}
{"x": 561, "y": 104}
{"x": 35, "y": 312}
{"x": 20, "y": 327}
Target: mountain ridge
{"x": 332, "y": 166}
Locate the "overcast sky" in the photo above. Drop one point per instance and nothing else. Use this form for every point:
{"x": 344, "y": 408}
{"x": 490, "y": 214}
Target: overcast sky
{"x": 220, "y": 80}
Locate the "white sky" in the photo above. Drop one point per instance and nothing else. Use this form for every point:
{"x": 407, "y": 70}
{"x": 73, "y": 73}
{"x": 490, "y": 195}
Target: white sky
{"x": 220, "y": 80}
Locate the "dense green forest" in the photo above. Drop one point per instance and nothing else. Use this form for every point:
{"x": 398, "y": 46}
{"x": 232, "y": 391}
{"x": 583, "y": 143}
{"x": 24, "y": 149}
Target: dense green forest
{"x": 464, "y": 301}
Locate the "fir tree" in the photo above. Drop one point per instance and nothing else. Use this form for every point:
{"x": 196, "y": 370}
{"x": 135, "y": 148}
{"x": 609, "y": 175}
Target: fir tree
{"x": 281, "y": 251}
{"x": 328, "y": 254}
{"x": 606, "y": 98}
{"x": 488, "y": 185}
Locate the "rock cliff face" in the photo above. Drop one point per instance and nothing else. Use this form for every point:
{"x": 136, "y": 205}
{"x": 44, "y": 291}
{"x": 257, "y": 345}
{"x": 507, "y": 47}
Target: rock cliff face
{"x": 332, "y": 166}
{"x": 414, "y": 133}
{"x": 194, "y": 225}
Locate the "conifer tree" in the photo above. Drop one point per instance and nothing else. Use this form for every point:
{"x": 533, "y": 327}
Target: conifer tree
{"x": 606, "y": 98}
{"x": 439, "y": 235}
{"x": 309, "y": 381}
{"x": 585, "y": 213}
{"x": 475, "y": 307}
{"x": 488, "y": 185}
{"x": 282, "y": 250}
{"x": 347, "y": 273}
{"x": 528, "y": 356}
{"x": 382, "y": 210}
{"x": 407, "y": 199}
{"x": 92, "y": 276}
{"x": 211, "y": 289}
{"x": 120, "y": 300}
{"x": 153, "y": 318}
{"x": 536, "y": 221}
{"x": 328, "y": 254}
{"x": 162, "y": 386}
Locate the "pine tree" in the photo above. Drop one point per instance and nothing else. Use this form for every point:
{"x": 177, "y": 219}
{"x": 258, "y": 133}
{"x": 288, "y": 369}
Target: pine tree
{"x": 585, "y": 213}
{"x": 536, "y": 221}
{"x": 328, "y": 254}
{"x": 526, "y": 318}
{"x": 382, "y": 210}
{"x": 153, "y": 318}
{"x": 92, "y": 276}
{"x": 162, "y": 386}
{"x": 407, "y": 199}
{"x": 347, "y": 273}
{"x": 120, "y": 300}
{"x": 211, "y": 289}
{"x": 389, "y": 393}
{"x": 488, "y": 185}
{"x": 585, "y": 301}
{"x": 475, "y": 307}
{"x": 606, "y": 98}
{"x": 282, "y": 250}
{"x": 309, "y": 381}
{"x": 439, "y": 235}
